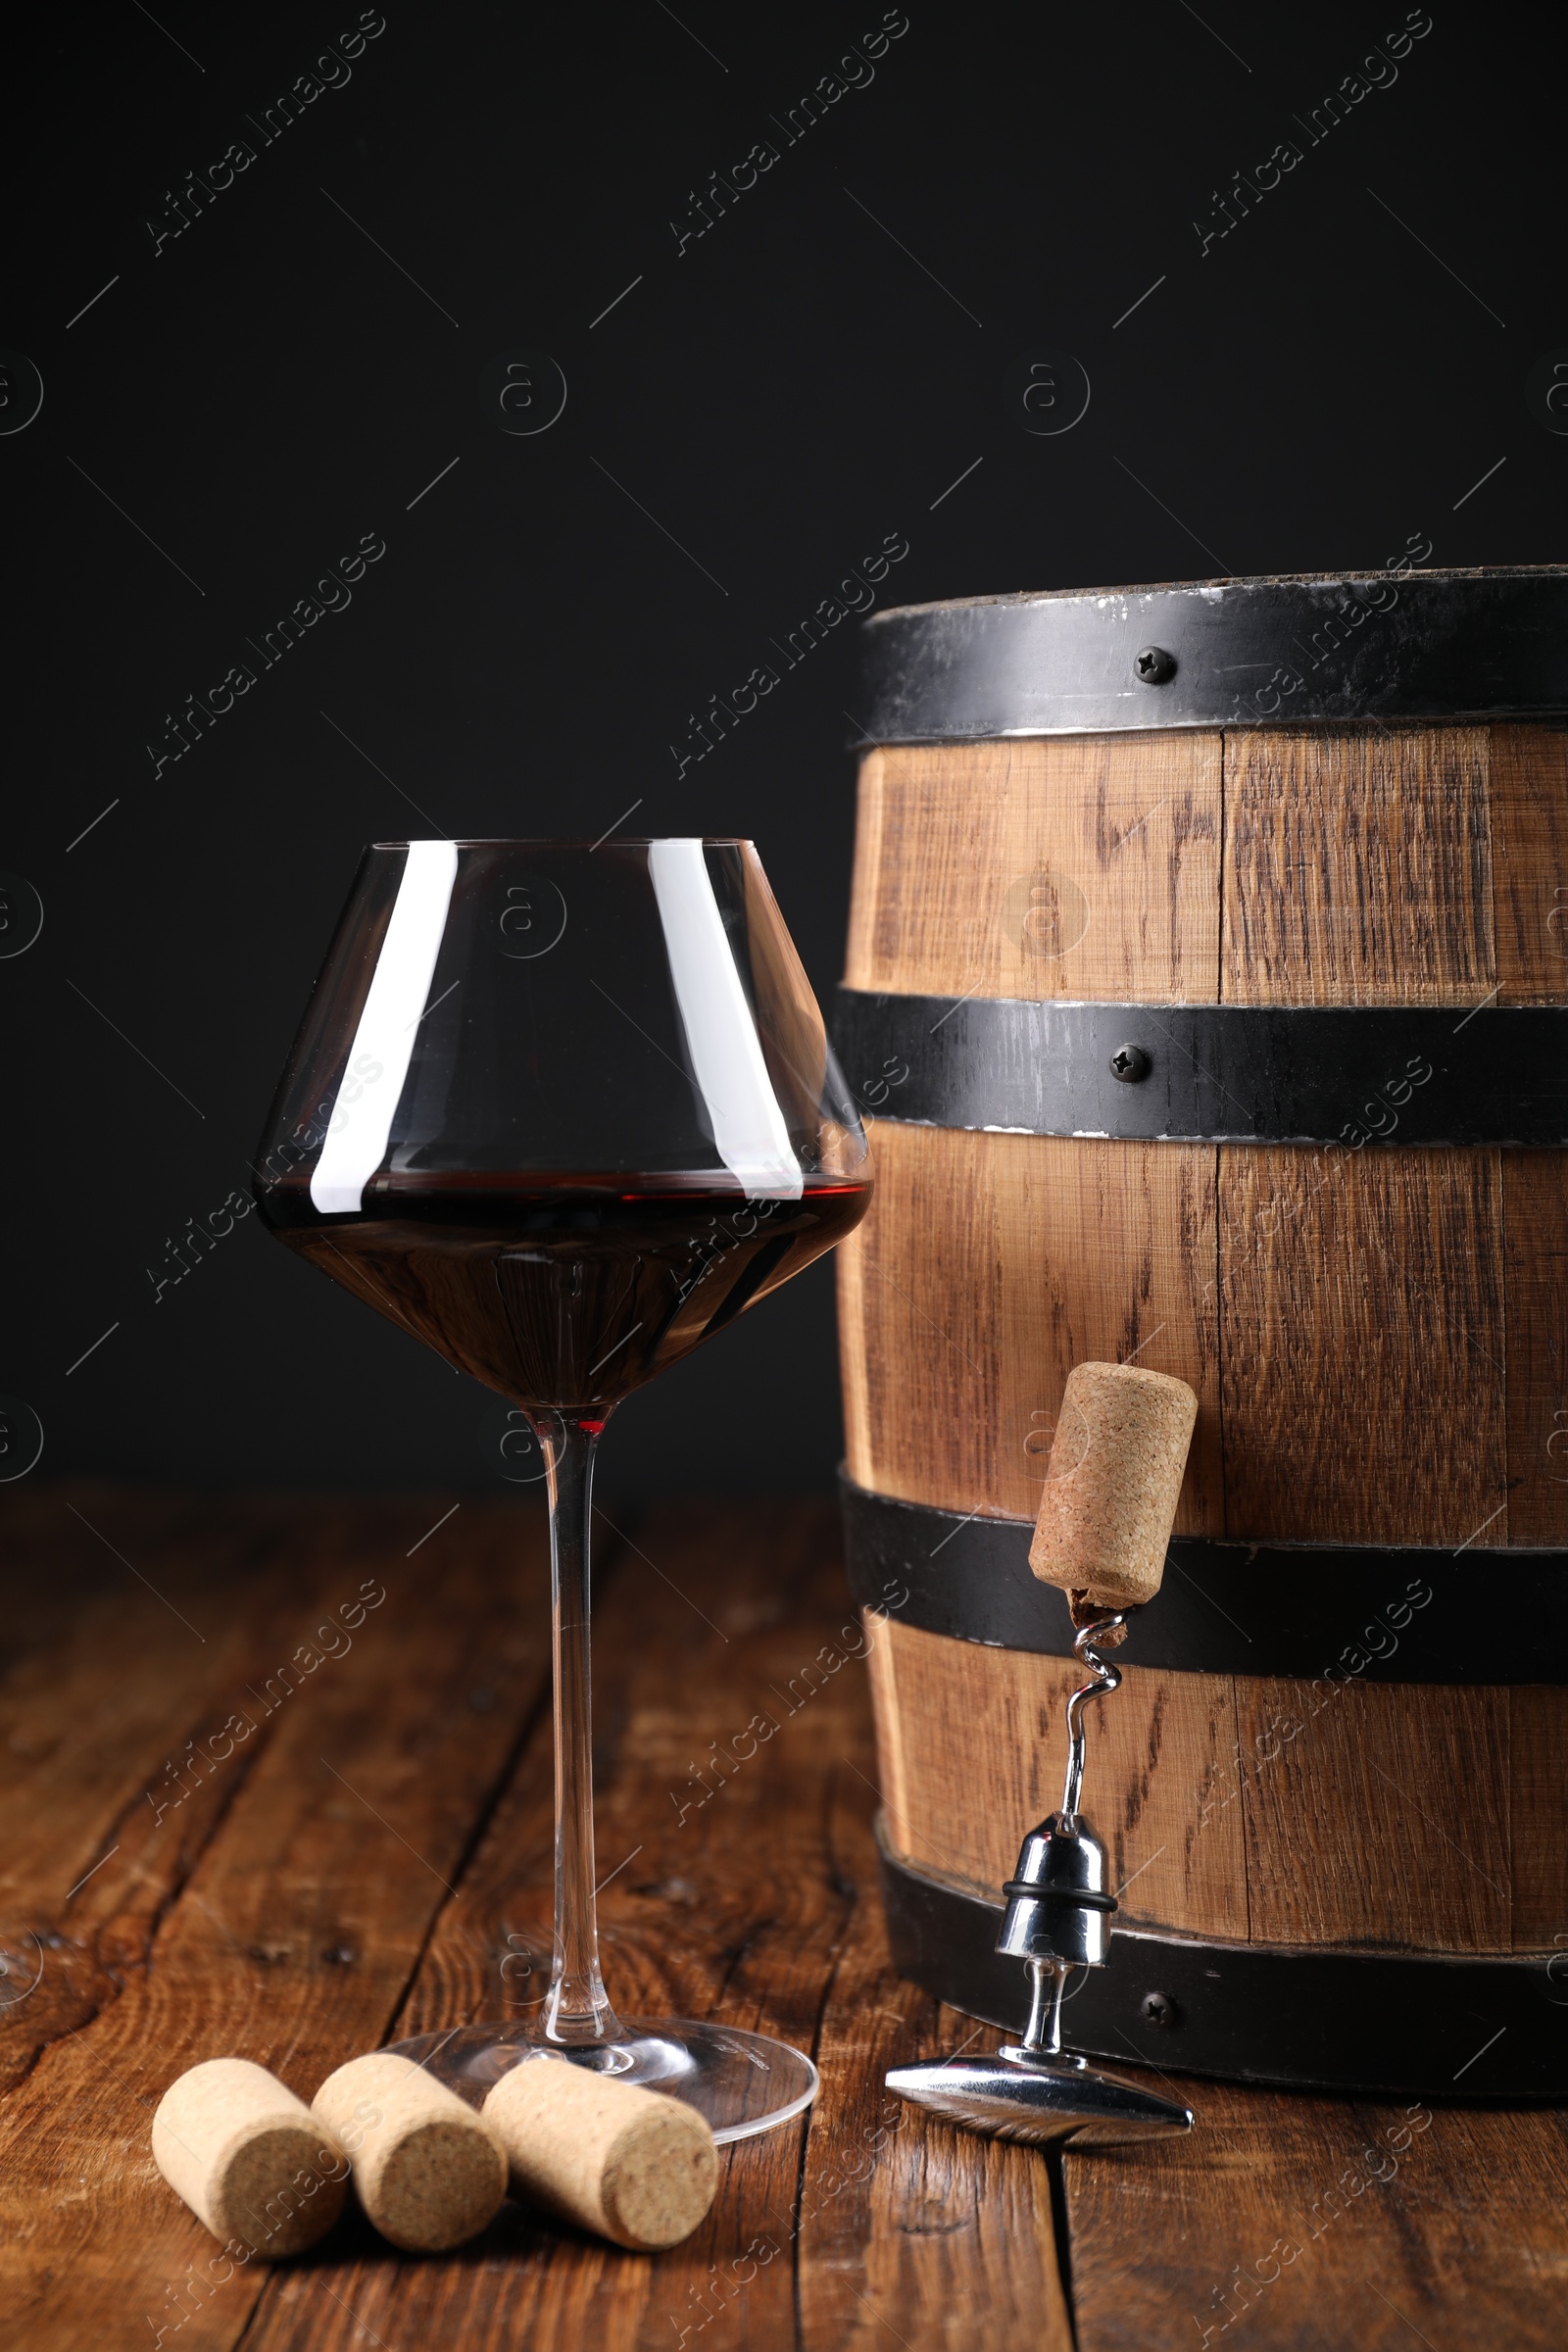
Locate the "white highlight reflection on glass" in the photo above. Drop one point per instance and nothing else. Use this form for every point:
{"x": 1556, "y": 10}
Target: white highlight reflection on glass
{"x": 748, "y": 1129}
{"x": 383, "y": 1043}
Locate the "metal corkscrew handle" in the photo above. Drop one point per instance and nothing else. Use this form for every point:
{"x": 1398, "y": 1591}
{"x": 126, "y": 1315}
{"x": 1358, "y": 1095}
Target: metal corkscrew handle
{"x": 1105, "y": 1677}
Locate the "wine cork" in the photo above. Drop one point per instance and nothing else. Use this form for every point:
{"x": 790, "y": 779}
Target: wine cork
{"x": 429, "y": 2171}
{"x": 249, "y": 2158}
{"x": 1115, "y": 1471}
{"x": 634, "y": 2165}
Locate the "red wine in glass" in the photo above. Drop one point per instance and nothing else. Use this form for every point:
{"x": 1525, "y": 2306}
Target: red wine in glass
{"x": 564, "y": 1112}
{"x": 573, "y": 1294}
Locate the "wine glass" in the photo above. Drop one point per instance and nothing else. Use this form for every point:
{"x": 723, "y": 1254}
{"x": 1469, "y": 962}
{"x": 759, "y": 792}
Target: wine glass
{"x": 563, "y": 1112}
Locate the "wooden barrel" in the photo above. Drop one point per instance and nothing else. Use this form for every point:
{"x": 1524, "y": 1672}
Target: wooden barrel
{"x": 1205, "y": 984}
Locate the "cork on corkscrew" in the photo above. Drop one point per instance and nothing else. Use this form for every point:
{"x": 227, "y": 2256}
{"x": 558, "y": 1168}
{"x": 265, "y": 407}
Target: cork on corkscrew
{"x": 1112, "y": 1483}
{"x": 1115, "y": 1472}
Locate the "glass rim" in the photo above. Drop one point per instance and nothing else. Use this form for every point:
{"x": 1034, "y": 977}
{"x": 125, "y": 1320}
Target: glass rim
{"x": 570, "y": 841}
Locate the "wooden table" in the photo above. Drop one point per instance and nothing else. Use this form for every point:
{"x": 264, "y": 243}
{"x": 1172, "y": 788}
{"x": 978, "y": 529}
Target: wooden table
{"x": 374, "y": 1858}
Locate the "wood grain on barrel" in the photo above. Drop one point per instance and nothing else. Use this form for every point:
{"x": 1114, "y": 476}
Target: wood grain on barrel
{"x": 1163, "y": 1763}
{"x": 1361, "y": 1311}
{"x": 1363, "y": 1288}
{"x": 1033, "y": 1253}
{"x": 1538, "y": 1775}
{"x": 1073, "y": 866}
{"x": 1225, "y": 1800}
{"x": 1534, "y": 1247}
{"x": 851, "y": 1278}
{"x": 1357, "y": 867}
{"x": 1528, "y": 780}
{"x": 893, "y": 1736}
{"x": 1529, "y": 776}
{"x": 1377, "y": 1814}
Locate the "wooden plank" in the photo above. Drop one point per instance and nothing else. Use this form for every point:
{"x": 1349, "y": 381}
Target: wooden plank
{"x": 1377, "y": 1814}
{"x": 923, "y": 1419}
{"x": 1362, "y": 1330}
{"x": 299, "y": 1923}
{"x": 874, "y": 837}
{"x": 1538, "y": 1775}
{"x": 1357, "y": 867}
{"x": 723, "y": 1906}
{"x": 115, "y": 1762}
{"x": 47, "y": 1583}
{"x": 982, "y": 1751}
{"x": 854, "y": 1319}
{"x": 1034, "y": 1253}
{"x": 893, "y": 1734}
{"x": 1224, "y": 1804}
{"x": 910, "y": 2230}
{"x": 1063, "y": 866}
{"x": 1528, "y": 777}
{"x": 738, "y": 1884}
{"x": 1535, "y": 1224}
{"x": 1286, "y": 2223}
{"x": 303, "y": 1918}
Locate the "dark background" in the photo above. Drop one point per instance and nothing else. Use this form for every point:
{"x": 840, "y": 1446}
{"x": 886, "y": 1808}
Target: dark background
{"x": 1320, "y": 388}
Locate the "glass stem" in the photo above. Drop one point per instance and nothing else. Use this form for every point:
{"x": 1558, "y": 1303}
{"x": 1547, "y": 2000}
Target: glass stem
{"x": 578, "y": 2009}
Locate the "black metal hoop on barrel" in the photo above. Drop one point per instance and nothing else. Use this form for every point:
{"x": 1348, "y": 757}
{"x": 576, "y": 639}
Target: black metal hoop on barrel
{"x": 1376, "y": 1613}
{"x": 1313, "y": 2020}
{"x": 1389, "y": 647}
{"x": 1346, "y": 1075}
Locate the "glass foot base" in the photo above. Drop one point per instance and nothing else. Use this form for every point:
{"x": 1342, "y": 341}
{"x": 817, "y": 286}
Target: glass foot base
{"x": 742, "y": 2083}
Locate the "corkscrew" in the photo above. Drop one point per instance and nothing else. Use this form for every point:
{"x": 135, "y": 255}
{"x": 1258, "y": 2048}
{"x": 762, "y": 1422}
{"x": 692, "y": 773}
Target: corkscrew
{"x": 1117, "y": 1459}
{"x": 1057, "y": 1919}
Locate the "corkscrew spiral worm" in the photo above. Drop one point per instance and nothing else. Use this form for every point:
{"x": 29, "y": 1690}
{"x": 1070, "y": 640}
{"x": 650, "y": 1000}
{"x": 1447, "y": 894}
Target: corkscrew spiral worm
{"x": 1105, "y": 1677}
